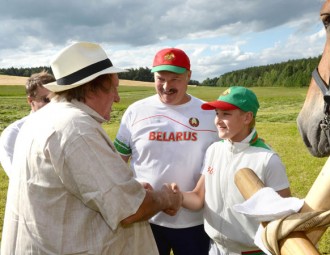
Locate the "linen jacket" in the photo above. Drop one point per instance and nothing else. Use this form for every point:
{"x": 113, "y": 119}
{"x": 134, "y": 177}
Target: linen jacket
{"x": 70, "y": 189}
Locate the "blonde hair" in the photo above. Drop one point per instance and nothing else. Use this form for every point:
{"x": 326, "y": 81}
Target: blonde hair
{"x": 253, "y": 123}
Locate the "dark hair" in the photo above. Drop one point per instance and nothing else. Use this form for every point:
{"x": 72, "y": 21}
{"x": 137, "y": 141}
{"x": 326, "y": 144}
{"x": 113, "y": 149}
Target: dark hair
{"x": 79, "y": 93}
{"x": 37, "y": 80}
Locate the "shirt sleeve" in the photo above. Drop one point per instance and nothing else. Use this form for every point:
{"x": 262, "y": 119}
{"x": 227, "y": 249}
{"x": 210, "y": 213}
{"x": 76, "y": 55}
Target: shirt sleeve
{"x": 123, "y": 137}
{"x": 5, "y": 160}
{"x": 93, "y": 172}
{"x": 207, "y": 158}
{"x": 7, "y": 144}
{"x": 276, "y": 176}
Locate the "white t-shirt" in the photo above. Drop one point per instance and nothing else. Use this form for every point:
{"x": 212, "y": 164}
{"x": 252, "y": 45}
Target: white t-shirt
{"x": 228, "y": 228}
{"x": 7, "y": 144}
{"x": 167, "y": 144}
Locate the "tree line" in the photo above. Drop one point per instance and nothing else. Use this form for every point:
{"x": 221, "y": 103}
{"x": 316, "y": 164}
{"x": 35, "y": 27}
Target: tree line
{"x": 134, "y": 74}
{"x": 292, "y": 73}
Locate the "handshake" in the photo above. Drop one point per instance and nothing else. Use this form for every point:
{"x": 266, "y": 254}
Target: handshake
{"x": 169, "y": 197}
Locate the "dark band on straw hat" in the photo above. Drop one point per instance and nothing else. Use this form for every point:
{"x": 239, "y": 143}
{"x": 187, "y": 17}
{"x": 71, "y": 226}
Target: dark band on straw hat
{"x": 85, "y": 72}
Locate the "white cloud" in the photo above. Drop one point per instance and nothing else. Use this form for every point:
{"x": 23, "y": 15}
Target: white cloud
{"x": 217, "y": 35}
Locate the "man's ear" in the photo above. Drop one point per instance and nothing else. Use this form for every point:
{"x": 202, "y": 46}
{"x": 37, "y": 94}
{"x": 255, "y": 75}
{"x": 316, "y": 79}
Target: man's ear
{"x": 29, "y": 100}
{"x": 189, "y": 75}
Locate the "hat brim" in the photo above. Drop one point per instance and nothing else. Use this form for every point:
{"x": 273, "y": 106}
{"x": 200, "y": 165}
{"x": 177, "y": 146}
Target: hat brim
{"x": 169, "y": 68}
{"x": 54, "y": 87}
{"x": 224, "y": 106}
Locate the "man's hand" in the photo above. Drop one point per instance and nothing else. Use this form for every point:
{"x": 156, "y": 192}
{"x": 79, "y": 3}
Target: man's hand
{"x": 168, "y": 199}
{"x": 147, "y": 186}
{"x": 175, "y": 198}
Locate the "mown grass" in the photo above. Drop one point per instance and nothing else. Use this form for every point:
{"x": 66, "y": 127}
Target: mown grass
{"x": 276, "y": 123}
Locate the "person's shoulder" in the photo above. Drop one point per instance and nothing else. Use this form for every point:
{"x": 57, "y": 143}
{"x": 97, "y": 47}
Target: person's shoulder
{"x": 196, "y": 107}
{"x": 261, "y": 143}
{"x": 196, "y": 99}
{"x": 16, "y": 125}
{"x": 62, "y": 113}
{"x": 215, "y": 149}
{"x": 215, "y": 145}
{"x": 197, "y": 103}
{"x": 20, "y": 122}
{"x": 257, "y": 142}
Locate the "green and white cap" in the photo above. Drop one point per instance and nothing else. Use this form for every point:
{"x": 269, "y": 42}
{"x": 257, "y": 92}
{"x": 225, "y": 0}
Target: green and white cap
{"x": 235, "y": 97}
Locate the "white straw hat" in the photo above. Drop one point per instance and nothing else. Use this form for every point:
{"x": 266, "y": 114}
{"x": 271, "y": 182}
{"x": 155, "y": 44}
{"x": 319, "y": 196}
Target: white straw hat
{"x": 78, "y": 64}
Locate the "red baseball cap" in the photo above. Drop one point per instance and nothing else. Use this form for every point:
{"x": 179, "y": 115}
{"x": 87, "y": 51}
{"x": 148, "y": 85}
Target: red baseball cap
{"x": 172, "y": 60}
{"x": 224, "y": 106}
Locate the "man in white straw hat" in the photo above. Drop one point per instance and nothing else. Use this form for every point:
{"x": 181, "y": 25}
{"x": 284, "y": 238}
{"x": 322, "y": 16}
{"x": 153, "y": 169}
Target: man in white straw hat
{"x": 71, "y": 192}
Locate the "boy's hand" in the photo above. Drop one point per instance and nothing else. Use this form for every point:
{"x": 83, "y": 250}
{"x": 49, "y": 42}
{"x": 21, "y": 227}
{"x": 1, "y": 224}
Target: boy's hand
{"x": 175, "y": 197}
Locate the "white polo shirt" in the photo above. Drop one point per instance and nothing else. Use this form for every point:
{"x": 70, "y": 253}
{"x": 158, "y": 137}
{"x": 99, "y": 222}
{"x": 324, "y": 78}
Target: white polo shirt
{"x": 229, "y": 229}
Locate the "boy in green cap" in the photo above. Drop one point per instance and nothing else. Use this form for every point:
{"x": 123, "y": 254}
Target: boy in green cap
{"x": 240, "y": 147}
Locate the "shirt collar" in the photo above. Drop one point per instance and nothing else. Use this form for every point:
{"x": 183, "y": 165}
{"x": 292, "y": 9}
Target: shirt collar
{"x": 84, "y": 107}
{"x": 236, "y": 147}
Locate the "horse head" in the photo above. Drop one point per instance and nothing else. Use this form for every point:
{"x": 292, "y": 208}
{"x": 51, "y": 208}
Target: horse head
{"x": 314, "y": 117}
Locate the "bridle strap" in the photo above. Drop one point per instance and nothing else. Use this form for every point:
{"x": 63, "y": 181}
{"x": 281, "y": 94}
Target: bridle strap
{"x": 325, "y": 123}
{"x": 324, "y": 88}
{"x": 320, "y": 82}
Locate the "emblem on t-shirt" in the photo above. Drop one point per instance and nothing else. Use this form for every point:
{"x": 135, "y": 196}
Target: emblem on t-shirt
{"x": 210, "y": 170}
{"x": 194, "y": 122}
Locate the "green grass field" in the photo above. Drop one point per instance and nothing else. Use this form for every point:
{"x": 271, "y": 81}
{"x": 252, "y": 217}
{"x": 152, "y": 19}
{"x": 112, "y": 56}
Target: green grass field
{"x": 276, "y": 123}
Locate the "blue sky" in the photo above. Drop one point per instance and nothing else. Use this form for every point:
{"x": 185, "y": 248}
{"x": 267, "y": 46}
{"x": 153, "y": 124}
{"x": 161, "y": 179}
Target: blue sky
{"x": 218, "y": 35}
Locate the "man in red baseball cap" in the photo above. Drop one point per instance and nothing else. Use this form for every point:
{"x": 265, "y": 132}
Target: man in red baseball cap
{"x": 171, "y": 68}
{"x": 165, "y": 137}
